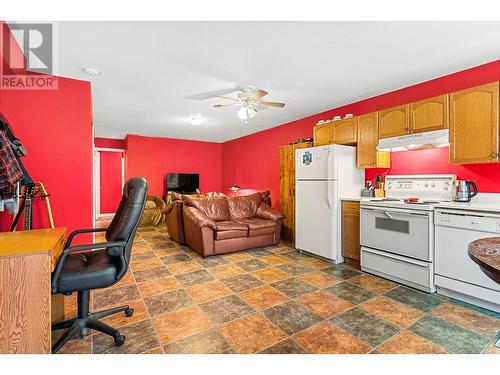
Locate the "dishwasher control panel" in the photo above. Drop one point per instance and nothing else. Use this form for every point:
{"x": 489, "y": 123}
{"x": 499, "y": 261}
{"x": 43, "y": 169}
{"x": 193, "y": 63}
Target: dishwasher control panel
{"x": 468, "y": 220}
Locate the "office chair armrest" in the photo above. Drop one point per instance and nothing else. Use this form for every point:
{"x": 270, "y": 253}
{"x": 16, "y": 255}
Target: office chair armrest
{"x": 80, "y": 231}
{"x": 77, "y": 249}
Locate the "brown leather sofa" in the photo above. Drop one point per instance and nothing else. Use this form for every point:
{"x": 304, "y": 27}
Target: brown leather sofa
{"x": 174, "y": 217}
{"x": 218, "y": 225}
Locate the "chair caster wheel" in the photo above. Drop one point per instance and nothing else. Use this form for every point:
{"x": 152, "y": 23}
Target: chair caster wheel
{"x": 119, "y": 340}
{"x": 129, "y": 312}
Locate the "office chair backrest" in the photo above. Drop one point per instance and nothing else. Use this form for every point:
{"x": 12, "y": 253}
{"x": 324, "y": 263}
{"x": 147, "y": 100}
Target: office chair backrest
{"x": 125, "y": 222}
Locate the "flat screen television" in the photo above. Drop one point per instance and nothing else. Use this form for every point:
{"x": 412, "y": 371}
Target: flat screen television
{"x": 183, "y": 182}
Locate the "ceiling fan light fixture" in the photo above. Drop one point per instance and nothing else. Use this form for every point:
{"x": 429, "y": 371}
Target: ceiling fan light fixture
{"x": 196, "y": 120}
{"x": 246, "y": 113}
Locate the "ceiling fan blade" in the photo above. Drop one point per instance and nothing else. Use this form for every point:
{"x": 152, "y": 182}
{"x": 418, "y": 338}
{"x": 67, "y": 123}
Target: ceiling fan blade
{"x": 225, "y": 97}
{"x": 257, "y": 94}
{"x": 271, "y": 104}
{"x": 223, "y": 105}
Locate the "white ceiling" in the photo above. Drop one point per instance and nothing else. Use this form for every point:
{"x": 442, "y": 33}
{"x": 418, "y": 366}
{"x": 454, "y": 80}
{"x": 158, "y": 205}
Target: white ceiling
{"x": 154, "y": 73}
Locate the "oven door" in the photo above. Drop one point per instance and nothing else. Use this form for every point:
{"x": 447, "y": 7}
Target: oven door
{"x": 398, "y": 231}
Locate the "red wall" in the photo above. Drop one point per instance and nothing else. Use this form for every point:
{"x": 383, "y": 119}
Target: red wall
{"x": 56, "y": 128}
{"x": 252, "y": 162}
{"x": 153, "y": 157}
{"x": 435, "y": 161}
{"x": 109, "y": 143}
{"x": 110, "y": 175}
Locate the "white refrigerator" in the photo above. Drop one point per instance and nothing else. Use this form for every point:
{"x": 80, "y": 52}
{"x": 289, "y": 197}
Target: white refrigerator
{"x": 323, "y": 175}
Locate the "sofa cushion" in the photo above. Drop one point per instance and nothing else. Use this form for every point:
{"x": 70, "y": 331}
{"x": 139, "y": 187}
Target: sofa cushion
{"x": 227, "y": 234}
{"x": 256, "y": 223}
{"x": 216, "y": 208}
{"x": 230, "y": 225}
{"x": 244, "y": 207}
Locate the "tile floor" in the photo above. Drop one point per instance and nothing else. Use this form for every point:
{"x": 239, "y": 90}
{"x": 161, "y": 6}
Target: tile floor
{"x": 274, "y": 300}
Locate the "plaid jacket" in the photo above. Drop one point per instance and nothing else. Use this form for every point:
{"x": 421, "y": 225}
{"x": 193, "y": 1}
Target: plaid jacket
{"x": 10, "y": 172}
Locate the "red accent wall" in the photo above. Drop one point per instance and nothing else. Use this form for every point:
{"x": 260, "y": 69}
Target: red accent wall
{"x": 153, "y": 157}
{"x": 56, "y": 128}
{"x": 252, "y": 162}
{"x": 435, "y": 161}
{"x": 109, "y": 143}
{"x": 110, "y": 175}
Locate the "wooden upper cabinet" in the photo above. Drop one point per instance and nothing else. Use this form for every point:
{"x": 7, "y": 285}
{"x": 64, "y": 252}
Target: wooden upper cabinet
{"x": 429, "y": 114}
{"x": 367, "y": 140}
{"x": 323, "y": 134}
{"x": 367, "y": 154}
{"x": 394, "y": 121}
{"x": 474, "y": 125}
{"x": 345, "y": 131}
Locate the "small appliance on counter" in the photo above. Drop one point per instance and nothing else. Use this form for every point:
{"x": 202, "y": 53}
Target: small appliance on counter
{"x": 462, "y": 191}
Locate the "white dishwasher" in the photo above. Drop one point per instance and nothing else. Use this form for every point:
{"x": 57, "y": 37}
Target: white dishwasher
{"x": 456, "y": 275}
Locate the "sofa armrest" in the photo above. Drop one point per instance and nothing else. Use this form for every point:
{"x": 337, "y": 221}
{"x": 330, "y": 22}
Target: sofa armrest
{"x": 169, "y": 207}
{"x": 267, "y": 213}
{"x": 195, "y": 216}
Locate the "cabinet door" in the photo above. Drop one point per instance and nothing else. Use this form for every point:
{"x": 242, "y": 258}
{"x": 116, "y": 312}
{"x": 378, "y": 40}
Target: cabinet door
{"x": 474, "y": 125}
{"x": 323, "y": 134}
{"x": 429, "y": 114}
{"x": 367, "y": 140}
{"x": 350, "y": 230}
{"x": 393, "y": 122}
{"x": 345, "y": 131}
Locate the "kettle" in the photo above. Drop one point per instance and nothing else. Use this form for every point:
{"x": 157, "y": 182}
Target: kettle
{"x": 464, "y": 190}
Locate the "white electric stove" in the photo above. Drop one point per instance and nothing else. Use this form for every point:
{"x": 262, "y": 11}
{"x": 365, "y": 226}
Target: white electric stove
{"x": 397, "y": 232}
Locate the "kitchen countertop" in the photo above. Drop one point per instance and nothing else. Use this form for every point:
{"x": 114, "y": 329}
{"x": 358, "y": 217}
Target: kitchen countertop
{"x": 486, "y": 253}
{"x": 471, "y": 206}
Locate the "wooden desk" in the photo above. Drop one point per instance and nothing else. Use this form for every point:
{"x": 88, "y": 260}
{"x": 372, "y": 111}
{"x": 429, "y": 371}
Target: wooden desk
{"x": 27, "y": 259}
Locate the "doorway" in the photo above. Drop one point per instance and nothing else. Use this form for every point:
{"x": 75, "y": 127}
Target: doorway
{"x": 109, "y": 167}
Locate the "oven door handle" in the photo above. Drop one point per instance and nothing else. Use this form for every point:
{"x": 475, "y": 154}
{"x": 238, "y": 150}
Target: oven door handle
{"x": 389, "y": 215}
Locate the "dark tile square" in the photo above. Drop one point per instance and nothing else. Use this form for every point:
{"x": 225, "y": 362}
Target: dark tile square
{"x": 287, "y": 346}
{"x": 141, "y": 337}
{"x": 419, "y": 300}
{"x": 150, "y": 274}
{"x": 176, "y": 258}
{"x": 291, "y": 317}
{"x": 293, "y": 287}
{"x": 211, "y": 261}
{"x": 295, "y": 255}
{"x": 240, "y": 283}
{"x": 451, "y": 337}
{"x": 295, "y": 269}
{"x": 342, "y": 272}
{"x": 367, "y": 327}
{"x": 207, "y": 342}
{"x": 136, "y": 257}
{"x": 113, "y": 296}
{"x": 194, "y": 277}
{"x": 168, "y": 301}
{"x": 163, "y": 245}
{"x": 349, "y": 292}
{"x": 252, "y": 265}
{"x": 258, "y": 252}
{"x": 225, "y": 309}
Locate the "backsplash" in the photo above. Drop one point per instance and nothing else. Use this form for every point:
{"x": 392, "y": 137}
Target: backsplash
{"x": 435, "y": 161}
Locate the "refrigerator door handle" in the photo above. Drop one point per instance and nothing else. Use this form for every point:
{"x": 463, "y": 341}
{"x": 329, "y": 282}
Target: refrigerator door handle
{"x": 328, "y": 194}
{"x": 328, "y": 164}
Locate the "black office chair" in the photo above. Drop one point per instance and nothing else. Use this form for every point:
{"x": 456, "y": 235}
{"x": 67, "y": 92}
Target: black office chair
{"x": 100, "y": 268}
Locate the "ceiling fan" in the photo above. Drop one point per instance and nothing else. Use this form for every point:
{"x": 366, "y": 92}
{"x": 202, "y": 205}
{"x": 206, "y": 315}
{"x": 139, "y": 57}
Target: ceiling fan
{"x": 249, "y": 99}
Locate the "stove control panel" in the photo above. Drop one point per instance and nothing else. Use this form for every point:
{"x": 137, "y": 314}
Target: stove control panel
{"x": 431, "y": 187}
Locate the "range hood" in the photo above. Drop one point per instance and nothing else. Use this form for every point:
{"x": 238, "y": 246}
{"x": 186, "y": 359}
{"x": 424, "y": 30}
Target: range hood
{"x": 436, "y": 138}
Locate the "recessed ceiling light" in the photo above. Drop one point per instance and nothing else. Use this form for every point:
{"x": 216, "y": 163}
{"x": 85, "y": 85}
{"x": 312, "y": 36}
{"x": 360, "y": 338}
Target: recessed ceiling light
{"x": 91, "y": 71}
{"x": 196, "y": 120}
